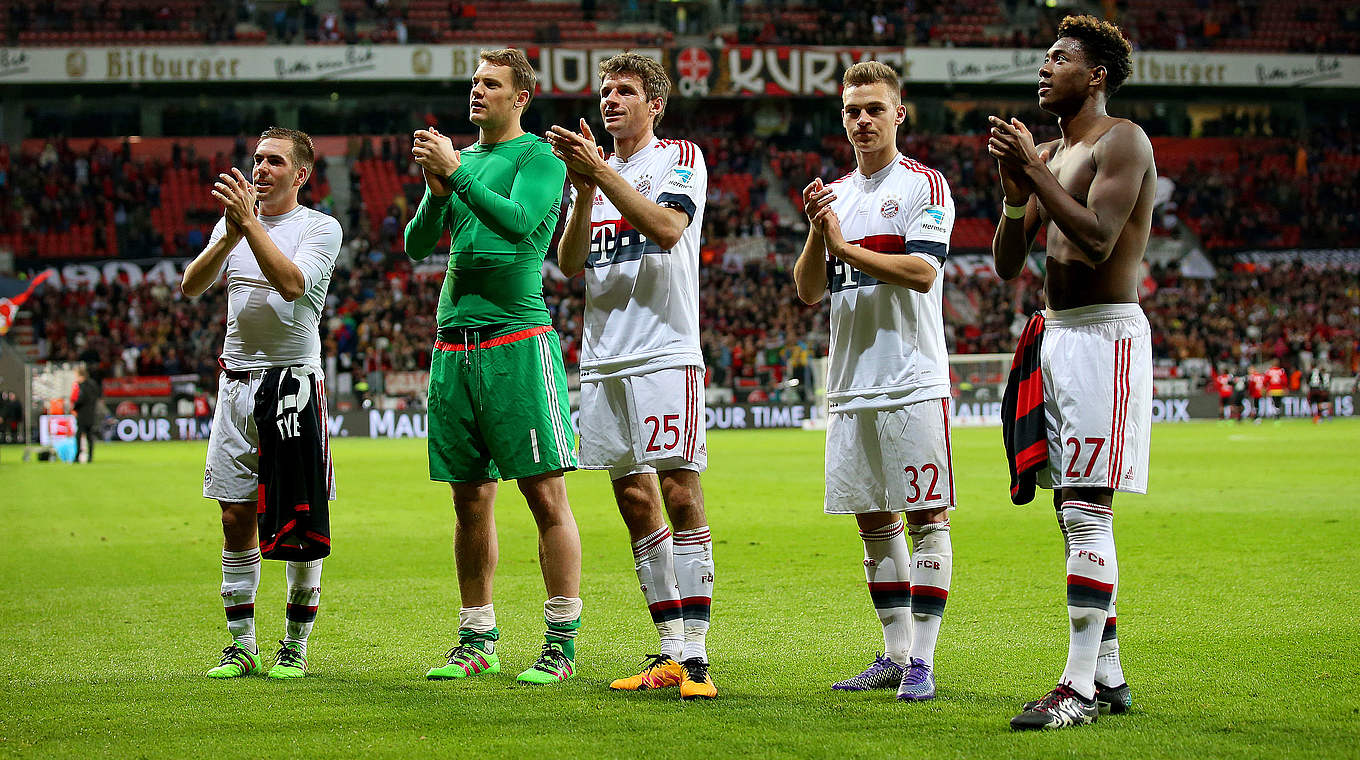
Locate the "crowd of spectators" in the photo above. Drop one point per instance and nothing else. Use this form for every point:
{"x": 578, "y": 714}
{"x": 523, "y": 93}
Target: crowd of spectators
{"x": 737, "y": 206}
{"x": 300, "y": 22}
{"x": 1258, "y": 190}
{"x": 179, "y": 21}
{"x": 1263, "y": 191}
{"x": 243, "y": 21}
{"x": 1273, "y": 193}
{"x": 756, "y": 333}
{"x": 112, "y": 204}
{"x": 1297, "y": 26}
{"x": 381, "y": 309}
{"x": 147, "y": 329}
{"x": 1248, "y": 192}
{"x": 1290, "y": 315}
{"x": 1294, "y": 27}
{"x": 872, "y": 23}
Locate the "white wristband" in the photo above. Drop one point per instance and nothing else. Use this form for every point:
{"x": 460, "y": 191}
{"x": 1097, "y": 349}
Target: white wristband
{"x": 1014, "y": 212}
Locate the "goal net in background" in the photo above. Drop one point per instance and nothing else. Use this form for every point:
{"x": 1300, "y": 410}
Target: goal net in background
{"x": 976, "y": 384}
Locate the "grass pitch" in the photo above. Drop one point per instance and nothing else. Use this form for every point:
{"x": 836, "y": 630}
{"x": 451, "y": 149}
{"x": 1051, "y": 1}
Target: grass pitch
{"x": 1237, "y": 601}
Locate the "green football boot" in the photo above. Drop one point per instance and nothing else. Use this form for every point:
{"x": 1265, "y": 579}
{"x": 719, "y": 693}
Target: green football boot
{"x": 466, "y": 659}
{"x": 552, "y": 666}
{"x": 237, "y": 661}
{"x": 289, "y": 662}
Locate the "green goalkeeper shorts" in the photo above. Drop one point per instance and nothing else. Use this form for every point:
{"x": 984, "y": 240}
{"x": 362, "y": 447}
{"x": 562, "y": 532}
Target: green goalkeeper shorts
{"x": 498, "y": 407}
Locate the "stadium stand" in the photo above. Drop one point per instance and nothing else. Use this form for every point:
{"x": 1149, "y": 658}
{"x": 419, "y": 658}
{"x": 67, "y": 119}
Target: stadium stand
{"x": 963, "y": 24}
{"x": 101, "y": 201}
{"x": 1225, "y": 25}
{"x": 180, "y": 22}
{"x": 96, "y": 199}
{"x": 120, "y": 22}
{"x": 380, "y": 316}
{"x": 1236, "y": 178}
{"x": 1292, "y": 26}
{"x": 1295, "y": 26}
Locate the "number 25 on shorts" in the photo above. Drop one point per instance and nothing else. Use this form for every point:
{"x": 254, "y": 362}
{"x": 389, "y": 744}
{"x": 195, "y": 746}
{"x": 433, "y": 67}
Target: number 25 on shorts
{"x": 665, "y": 432}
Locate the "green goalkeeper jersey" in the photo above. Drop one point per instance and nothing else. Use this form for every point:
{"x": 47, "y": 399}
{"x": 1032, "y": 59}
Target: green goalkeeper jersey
{"x": 500, "y": 217}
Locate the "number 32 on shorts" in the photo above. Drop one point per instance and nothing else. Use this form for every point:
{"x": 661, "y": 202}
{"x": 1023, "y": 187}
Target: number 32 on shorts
{"x": 922, "y": 483}
{"x": 665, "y": 432}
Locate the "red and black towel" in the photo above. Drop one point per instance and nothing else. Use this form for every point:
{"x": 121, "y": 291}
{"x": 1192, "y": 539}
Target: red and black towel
{"x": 294, "y": 508}
{"x": 1022, "y": 413}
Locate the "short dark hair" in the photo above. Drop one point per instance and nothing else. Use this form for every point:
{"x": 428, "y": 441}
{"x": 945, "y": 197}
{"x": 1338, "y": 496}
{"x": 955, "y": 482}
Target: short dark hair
{"x": 873, "y": 72}
{"x": 1104, "y": 45}
{"x": 521, "y": 73}
{"x": 303, "y": 151}
{"x": 655, "y": 83}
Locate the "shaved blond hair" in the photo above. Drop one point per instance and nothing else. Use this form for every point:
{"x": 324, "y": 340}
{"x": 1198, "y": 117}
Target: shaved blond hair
{"x": 873, "y": 72}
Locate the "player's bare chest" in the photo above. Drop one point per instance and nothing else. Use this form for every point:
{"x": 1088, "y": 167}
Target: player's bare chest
{"x": 1075, "y": 169}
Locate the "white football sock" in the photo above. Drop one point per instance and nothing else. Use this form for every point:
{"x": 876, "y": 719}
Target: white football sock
{"x": 240, "y": 581}
{"x": 693, "y": 555}
{"x": 1092, "y": 577}
{"x": 304, "y": 595}
{"x": 932, "y": 567}
{"x": 1109, "y": 671}
{"x": 887, "y": 568}
{"x": 655, "y": 565}
{"x": 478, "y": 620}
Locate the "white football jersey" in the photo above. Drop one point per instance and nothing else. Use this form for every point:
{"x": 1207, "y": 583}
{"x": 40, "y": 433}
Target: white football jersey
{"x": 887, "y": 341}
{"x": 642, "y": 301}
{"x": 264, "y": 330}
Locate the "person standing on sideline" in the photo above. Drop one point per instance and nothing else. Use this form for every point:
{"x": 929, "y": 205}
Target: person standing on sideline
{"x": 85, "y": 394}
{"x": 877, "y": 239}
{"x": 1221, "y": 383}
{"x": 278, "y": 260}
{"x": 1277, "y": 385}
{"x": 1320, "y": 391}
{"x": 633, "y": 229}
{"x": 202, "y": 414}
{"x": 498, "y": 390}
{"x": 1256, "y": 392}
{"x": 1094, "y": 190}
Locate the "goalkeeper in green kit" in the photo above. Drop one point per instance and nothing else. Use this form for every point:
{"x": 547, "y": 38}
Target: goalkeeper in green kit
{"x": 498, "y": 392}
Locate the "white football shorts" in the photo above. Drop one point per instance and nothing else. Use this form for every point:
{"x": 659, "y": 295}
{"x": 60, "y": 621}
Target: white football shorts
{"x": 889, "y": 460}
{"x": 233, "y": 467}
{"x": 1097, "y": 370}
{"x": 644, "y": 423}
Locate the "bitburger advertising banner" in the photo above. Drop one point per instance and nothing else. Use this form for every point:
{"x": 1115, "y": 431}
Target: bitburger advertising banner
{"x": 698, "y": 71}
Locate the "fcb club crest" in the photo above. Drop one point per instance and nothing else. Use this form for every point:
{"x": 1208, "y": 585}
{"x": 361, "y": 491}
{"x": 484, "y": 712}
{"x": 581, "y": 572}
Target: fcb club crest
{"x": 889, "y": 208}
{"x": 643, "y": 186}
